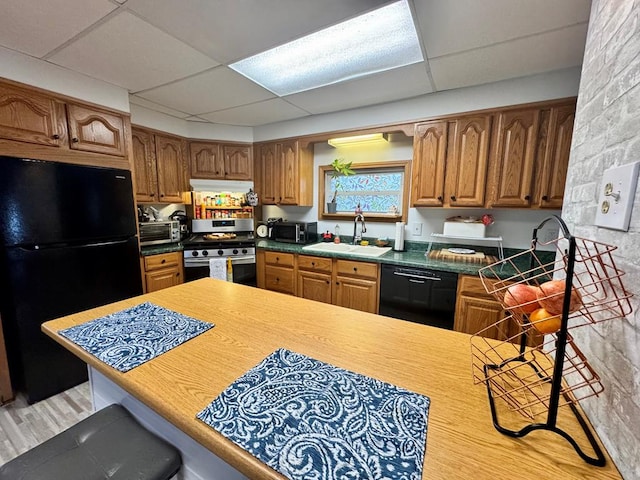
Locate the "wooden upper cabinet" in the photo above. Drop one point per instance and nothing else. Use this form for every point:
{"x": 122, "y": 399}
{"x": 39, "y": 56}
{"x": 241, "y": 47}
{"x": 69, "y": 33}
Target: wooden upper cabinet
{"x": 27, "y": 116}
{"x": 270, "y": 184}
{"x": 93, "y": 130}
{"x": 515, "y": 136}
{"x": 221, "y": 161}
{"x": 144, "y": 160}
{"x": 238, "y": 162}
{"x": 429, "y": 157}
{"x": 206, "y": 160}
{"x": 467, "y": 159}
{"x": 170, "y": 155}
{"x": 554, "y": 147}
{"x": 287, "y": 174}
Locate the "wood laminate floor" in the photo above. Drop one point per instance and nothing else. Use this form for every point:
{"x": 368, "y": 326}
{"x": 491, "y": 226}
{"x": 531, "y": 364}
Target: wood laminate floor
{"x": 24, "y": 426}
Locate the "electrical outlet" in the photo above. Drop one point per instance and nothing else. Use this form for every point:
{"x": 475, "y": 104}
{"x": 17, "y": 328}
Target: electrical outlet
{"x": 616, "y": 196}
{"x": 416, "y": 229}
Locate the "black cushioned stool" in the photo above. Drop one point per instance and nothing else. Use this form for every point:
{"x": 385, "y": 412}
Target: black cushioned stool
{"x": 110, "y": 444}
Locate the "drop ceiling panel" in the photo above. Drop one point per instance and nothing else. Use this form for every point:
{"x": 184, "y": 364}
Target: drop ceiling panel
{"x": 216, "y": 89}
{"x": 455, "y": 26}
{"x": 527, "y": 56}
{"x": 404, "y": 82}
{"x": 157, "y": 107}
{"x": 37, "y": 27}
{"x": 269, "y": 111}
{"x": 132, "y": 54}
{"x": 231, "y": 30}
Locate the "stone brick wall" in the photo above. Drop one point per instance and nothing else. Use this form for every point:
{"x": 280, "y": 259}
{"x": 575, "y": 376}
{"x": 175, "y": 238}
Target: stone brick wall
{"x": 606, "y": 134}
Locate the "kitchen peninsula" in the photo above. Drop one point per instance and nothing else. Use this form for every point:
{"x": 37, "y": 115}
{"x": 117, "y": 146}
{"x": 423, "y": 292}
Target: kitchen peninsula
{"x": 251, "y": 323}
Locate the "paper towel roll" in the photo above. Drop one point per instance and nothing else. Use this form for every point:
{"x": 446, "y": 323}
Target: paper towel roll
{"x": 398, "y": 245}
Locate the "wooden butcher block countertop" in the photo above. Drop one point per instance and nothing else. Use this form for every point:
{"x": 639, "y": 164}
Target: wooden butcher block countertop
{"x": 252, "y": 323}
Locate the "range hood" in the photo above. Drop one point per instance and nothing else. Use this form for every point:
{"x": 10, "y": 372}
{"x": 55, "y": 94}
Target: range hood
{"x": 202, "y": 185}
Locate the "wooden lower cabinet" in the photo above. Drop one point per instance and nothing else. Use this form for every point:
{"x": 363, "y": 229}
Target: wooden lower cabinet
{"x": 476, "y": 309}
{"x": 279, "y": 272}
{"x": 6, "y": 391}
{"x": 314, "y": 278}
{"x": 347, "y": 283}
{"x": 357, "y": 285}
{"x": 163, "y": 271}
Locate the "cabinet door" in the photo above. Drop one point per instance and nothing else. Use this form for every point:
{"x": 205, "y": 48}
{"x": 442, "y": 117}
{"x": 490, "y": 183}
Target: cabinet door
{"x": 289, "y": 178}
{"x": 467, "y": 158}
{"x": 279, "y": 279}
{"x": 514, "y": 148}
{"x": 356, "y": 293}
{"x": 270, "y": 174}
{"x": 92, "y": 130}
{"x": 314, "y": 286}
{"x": 26, "y": 116}
{"x": 159, "y": 279}
{"x": 429, "y": 156}
{"x": 170, "y": 163}
{"x": 475, "y": 314}
{"x": 553, "y": 155}
{"x": 144, "y": 162}
{"x": 238, "y": 164}
{"x": 206, "y": 160}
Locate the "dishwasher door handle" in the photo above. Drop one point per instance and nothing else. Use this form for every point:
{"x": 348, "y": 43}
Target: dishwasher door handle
{"x": 413, "y": 280}
{"x": 417, "y": 277}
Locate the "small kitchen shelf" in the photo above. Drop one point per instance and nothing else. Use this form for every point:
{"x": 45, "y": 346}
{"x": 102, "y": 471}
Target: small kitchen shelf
{"x": 498, "y": 240}
{"x": 535, "y": 375}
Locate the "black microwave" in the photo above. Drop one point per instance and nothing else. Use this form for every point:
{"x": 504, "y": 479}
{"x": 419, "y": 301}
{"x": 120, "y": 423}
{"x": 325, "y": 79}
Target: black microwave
{"x": 295, "y": 232}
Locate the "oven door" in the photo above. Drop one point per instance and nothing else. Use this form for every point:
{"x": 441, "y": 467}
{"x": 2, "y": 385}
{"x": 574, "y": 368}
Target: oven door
{"x": 244, "y": 269}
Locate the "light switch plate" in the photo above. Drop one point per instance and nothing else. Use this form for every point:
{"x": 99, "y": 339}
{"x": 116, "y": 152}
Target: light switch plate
{"x": 616, "y": 196}
{"x": 416, "y": 229}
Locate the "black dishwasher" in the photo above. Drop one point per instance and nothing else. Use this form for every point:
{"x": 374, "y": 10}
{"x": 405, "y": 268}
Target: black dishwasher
{"x": 418, "y": 295}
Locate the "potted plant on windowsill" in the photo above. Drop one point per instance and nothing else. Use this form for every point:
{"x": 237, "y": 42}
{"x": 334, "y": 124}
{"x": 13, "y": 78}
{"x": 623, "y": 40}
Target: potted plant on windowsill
{"x": 341, "y": 168}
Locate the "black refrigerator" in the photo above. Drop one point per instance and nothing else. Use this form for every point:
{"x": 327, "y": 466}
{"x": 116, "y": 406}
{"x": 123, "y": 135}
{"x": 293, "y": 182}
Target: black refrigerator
{"x": 69, "y": 243}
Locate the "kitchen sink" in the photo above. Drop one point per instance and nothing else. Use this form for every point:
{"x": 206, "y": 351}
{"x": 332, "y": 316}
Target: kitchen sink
{"x": 359, "y": 250}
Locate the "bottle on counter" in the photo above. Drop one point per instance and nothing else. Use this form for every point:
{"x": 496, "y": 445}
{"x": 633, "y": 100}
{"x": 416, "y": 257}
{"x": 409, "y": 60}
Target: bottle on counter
{"x": 229, "y": 270}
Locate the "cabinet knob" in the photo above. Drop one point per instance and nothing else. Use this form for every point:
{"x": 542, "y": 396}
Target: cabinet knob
{"x": 162, "y": 194}
{"x": 453, "y": 198}
{"x": 440, "y": 198}
{"x": 527, "y": 197}
{"x": 75, "y": 140}
{"x": 313, "y": 264}
{"x": 277, "y": 279}
{"x": 152, "y": 194}
{"x": 277, "y": 259}
{"x": 545, "y": 198}
{"x": 164, "y": 260}
{"x": 355, "y": 269}
{"x": 178, "y": 274}
{"x": 56, "y": 136}
{"x": 328, "y": 282}
{"x": 337, "y": 283}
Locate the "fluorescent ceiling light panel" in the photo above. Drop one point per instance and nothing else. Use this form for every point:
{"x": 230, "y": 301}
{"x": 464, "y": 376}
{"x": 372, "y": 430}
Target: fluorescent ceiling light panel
{"x": 374, "y": 42}
{"x": 367, "y": 139}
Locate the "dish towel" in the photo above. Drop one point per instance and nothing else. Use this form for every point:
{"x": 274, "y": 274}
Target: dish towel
{"x": 131, "y": 337}
{"x": 311, "y": 420}
{"x": 218, "y": 268}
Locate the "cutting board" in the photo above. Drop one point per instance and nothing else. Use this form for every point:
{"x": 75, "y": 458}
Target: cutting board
{"x": 447, "y": 256}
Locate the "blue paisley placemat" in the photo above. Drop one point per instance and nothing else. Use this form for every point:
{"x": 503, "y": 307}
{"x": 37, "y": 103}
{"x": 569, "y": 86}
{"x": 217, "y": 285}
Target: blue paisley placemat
{"x": 131, "y": 337}
{"x": 310, "y": 420}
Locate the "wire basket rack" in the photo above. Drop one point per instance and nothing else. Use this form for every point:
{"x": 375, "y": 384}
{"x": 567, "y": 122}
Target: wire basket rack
{"x": 533, "y": 364}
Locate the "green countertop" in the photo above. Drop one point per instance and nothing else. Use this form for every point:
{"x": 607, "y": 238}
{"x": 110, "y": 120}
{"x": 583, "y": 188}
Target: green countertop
{"x": 163, "y": 248}
{"x": 414, "y": 256}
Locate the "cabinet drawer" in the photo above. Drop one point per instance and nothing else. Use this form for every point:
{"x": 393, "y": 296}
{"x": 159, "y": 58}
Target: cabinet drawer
{"x": 279, "y": 279}
{"x": 316, "y": 264}
{"x": 473, "y": 287}
{"x": 358, "y": 269}
{"x": 164, "y": 260}
{"x": 279, "y": 258}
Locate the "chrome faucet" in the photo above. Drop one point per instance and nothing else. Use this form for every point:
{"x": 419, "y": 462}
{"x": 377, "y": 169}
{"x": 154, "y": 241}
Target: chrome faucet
{"x": 363, "y": 229}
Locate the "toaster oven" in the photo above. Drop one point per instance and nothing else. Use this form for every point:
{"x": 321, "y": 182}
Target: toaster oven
{"x": 156, "y": 233}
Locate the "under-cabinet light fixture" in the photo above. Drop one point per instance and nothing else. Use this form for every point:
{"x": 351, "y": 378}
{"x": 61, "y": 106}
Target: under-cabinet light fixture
{"x": 376, "y": 41}
{"x": 368, "y": 139}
